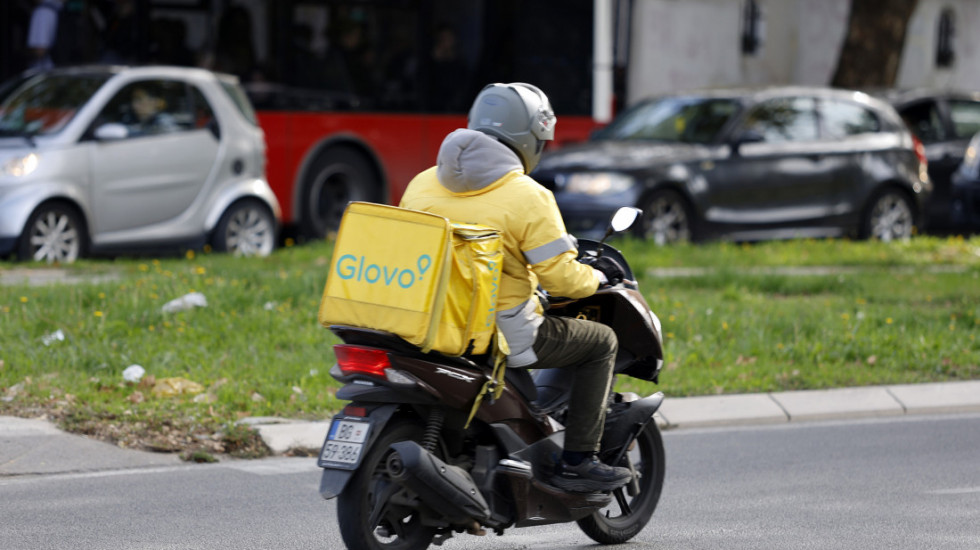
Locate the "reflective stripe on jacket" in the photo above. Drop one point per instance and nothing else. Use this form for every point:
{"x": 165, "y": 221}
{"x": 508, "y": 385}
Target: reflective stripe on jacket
{"x": 480, "y": 180}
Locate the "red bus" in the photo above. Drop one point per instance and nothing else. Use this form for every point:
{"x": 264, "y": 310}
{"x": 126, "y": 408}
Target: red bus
{"x": 355, "y": 96}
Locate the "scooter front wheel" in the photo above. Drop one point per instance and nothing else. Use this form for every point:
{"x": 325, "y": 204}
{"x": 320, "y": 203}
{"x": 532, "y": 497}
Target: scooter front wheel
{"x": 630, "y": 510}
{"x": 368, "y": 517}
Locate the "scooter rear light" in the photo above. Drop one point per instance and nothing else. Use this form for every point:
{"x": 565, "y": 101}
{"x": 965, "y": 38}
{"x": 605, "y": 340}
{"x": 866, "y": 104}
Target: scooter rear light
{"x": 358, "y": 360}
{"x": 353, "y": 410}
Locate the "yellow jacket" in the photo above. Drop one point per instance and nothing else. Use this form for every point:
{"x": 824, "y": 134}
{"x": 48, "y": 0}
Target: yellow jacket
{"x": 480, "y": 180}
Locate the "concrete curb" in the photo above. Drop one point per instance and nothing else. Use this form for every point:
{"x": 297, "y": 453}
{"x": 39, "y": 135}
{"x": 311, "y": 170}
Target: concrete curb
{"x": 31, "y": 446}
{"x": 282, "y": 435}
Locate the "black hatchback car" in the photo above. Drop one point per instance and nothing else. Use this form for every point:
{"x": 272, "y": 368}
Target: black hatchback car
{"x": 746, "y": 165}
{"x": 945, "y": 121}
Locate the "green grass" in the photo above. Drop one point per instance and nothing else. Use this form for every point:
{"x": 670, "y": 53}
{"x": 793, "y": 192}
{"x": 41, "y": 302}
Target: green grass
{"x": 881, "y": 313}
{"x": 858, "y": 313}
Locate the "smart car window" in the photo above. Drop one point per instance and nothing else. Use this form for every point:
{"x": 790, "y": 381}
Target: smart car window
{"x": 238, "y": 97}
{"x": 841, "y": 119}
{"x": 924, "y": 121}
{"x": 966, "y": 117}
{"x": 203, "y": 114}
{"x": 45, "y": 104}
{"x": 151, "y": 107}
{"x": 675, "y": 119}
{"x": 784, "y": 119}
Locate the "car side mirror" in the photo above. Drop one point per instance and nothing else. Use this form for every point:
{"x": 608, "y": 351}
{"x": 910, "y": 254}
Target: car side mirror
{"x": 112, "y": 131}
{"x": 749, "y": 136}
{"x": 746, "y": 136}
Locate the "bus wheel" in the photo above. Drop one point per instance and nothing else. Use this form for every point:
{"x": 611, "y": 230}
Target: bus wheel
{"x": 335, "y": 178}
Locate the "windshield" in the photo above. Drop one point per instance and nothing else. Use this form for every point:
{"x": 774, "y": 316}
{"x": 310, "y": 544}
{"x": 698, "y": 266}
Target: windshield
{"x": 44, "y": 104}
{"x": 675, "y": 119}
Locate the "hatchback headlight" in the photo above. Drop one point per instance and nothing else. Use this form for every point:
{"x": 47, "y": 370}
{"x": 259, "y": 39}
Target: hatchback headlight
{"x": 22, "y": 165}
{"x": 597, "y": 183}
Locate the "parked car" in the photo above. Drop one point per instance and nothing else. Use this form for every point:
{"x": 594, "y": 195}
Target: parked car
{"x": 944, "y": 121}
{"x": 110, "y": 159}
{"x": 965, "y": 194}
{"x": 746, "y": 165}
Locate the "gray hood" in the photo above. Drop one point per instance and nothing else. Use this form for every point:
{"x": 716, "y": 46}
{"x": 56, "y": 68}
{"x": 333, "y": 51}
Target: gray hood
{"x": 470, "y": 161}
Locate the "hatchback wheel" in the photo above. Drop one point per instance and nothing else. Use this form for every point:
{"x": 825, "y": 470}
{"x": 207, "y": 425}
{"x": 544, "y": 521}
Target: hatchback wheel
{"x": 667, "y": 219}
{"x": 889, "y": 218}
{"x": 246, "y": 229}
{"x": 53, "y": 233}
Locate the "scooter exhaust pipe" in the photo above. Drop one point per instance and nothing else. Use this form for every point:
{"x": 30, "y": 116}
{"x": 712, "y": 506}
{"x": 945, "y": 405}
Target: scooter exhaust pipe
{"x": 449, "y": 490}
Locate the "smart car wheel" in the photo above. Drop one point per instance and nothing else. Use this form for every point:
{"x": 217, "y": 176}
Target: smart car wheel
{"x": 334, "y": 179}
{"x": 246, "y": 228}
{"x": 667, "y": 219}
{"x": 53, "y": 233}
{"x": 888, "y": 217}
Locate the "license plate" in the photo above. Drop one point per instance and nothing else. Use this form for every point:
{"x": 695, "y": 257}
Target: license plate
{"x": 344, "y": 444}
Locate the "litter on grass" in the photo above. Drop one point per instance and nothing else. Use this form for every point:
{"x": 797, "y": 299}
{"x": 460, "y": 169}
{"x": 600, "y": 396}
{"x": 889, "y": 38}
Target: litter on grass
{"x": 185, "y": 302}
{"x": 170, "y": 387}
{"x": 133, "y": 373}
{"x": 56, "y": 336}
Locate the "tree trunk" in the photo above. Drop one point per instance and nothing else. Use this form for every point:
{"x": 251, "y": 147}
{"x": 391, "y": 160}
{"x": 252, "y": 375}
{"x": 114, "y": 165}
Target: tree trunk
{"x": 873, "y": 45}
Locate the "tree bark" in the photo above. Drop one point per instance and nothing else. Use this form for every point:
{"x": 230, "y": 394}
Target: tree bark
{"x": 873, "y": 45}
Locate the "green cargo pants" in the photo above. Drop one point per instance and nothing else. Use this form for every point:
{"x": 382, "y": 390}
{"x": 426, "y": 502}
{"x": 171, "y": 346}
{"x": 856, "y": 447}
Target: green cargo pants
{"x": 588, "y": 350}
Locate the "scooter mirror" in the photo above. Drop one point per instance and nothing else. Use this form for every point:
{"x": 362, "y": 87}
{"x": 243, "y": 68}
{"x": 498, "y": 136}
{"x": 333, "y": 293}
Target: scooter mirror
{"x": 624, "y": 218}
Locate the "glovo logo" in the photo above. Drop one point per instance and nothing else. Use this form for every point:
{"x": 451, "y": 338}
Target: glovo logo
{"x": 350, "y": 267}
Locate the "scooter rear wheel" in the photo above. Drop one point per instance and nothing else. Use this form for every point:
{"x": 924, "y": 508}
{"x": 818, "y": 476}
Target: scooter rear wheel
{"x": 368, "y": 494}
{"x": 628, "y": 514}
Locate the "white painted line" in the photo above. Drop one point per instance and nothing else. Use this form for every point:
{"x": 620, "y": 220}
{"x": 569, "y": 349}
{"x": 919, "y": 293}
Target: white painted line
{"x": 963, "y": 491}
{"x": 275, "y": 466}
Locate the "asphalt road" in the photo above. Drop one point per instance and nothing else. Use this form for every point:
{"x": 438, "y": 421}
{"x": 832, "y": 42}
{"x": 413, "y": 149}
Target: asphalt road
{"x": 900, "y": 483}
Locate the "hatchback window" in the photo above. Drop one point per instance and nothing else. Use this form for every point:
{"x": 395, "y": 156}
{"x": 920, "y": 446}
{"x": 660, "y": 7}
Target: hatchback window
{"x": 784, "y": 119}
{"x": 151, "y": 107}
{"x": 676, "y": 119}
{"x": 45, "y": 104}
{"x": 924, "y": 121}
{"x": 841, "y": 119}
{"x": 966, "y": 117}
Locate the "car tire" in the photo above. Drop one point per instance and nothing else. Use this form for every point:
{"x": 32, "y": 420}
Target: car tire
{"x": 667, "y": 218}
{"x": 888, "y": 217}
{"x": 54, "y": 233}
{"x": 247, "y": 228}
{"x": 337, "y": 177}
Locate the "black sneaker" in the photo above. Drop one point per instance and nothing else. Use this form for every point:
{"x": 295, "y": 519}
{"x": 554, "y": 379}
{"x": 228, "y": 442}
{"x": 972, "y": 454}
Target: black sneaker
{"x": 589, "y": 476}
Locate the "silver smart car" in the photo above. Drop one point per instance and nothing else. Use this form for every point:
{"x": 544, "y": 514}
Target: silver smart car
{"x": 117, "y": 159}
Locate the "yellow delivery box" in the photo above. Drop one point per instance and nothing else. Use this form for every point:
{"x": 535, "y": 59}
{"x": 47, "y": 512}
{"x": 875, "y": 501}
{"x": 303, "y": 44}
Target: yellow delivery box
{"x": 421, "y": 276}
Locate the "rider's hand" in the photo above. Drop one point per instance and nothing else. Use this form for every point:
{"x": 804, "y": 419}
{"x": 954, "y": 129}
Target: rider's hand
{"x": 607, "y": 266}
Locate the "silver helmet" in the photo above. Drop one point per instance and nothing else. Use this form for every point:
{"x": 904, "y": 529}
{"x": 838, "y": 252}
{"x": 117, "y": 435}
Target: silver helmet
{"x": 517, "y": 114}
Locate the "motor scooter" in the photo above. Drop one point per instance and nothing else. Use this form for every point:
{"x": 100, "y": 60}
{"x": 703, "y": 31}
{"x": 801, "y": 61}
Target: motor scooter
{"x": 410, "y": 467}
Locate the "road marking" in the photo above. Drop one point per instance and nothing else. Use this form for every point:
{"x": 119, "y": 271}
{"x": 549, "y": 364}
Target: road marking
{"x": 275, "y": 466}
{"x": 267, "y": 466}
{"x": 36, "y": 477}
{"x": 961, "y": 491}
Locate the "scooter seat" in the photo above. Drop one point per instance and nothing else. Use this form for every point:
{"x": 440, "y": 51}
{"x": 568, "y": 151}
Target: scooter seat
{"x": 521, "y": 380}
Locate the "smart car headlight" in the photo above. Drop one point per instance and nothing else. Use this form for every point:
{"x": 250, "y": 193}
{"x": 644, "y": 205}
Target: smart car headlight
{"x": 597, "y": 183}
{"x": 22, "y": 165}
